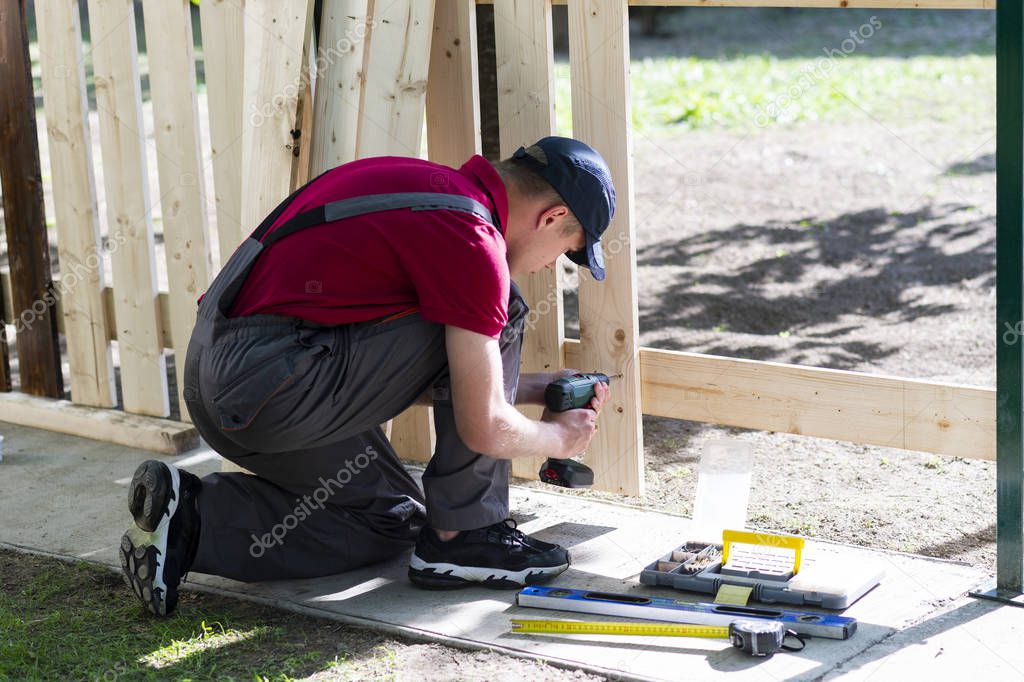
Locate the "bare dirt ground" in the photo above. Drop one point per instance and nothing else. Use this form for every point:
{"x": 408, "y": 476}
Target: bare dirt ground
{"x": 867, "y": 246}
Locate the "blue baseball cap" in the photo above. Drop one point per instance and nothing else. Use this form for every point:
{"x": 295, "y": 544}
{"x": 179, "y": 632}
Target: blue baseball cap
{"x": 582, "y": 179}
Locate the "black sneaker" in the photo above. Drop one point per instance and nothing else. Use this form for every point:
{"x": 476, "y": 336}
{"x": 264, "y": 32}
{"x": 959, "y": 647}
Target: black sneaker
{"x": 497, "y": 556}
{"x": 158, "y": 550}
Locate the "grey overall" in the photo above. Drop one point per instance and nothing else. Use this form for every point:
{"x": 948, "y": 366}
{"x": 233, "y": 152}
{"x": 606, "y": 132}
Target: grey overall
{"x": 300, "y": 406}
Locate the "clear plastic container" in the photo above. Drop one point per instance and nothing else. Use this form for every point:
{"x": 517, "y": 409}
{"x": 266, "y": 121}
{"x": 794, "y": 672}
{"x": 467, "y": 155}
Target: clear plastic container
{"x": 723, "y": 488}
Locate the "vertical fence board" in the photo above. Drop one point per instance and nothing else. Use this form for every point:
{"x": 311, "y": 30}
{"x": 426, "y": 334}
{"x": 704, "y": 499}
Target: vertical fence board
{"x": 24, "y": 219}
{"x": 397, "y": 59}
{"x": 275, "y": 35}
{"x": 276, "y": 32}
{"x": 453, "y": 109}
{"x": 74, "y": 199}
{"x": 129, "y": 224}
{"x": 343, "y": 30}
{"x": 172, "y": 79}
{"x": 453, "y": 135}
{"x": 526, "y": 112}
{"x": 599, "y": 65}
{"x": 223, "y": 63}
{"x": 398, "y": 56}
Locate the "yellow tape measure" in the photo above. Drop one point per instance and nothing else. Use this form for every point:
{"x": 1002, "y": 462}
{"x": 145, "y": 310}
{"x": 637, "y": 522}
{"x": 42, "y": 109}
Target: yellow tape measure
{"x": 573, "y": 627}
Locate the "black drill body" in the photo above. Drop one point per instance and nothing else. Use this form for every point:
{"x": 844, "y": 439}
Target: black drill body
{"x": 570, "y": 393}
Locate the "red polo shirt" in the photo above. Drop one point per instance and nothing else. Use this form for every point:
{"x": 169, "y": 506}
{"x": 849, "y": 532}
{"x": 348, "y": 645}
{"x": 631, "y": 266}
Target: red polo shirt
{"x": 450, "y": 265}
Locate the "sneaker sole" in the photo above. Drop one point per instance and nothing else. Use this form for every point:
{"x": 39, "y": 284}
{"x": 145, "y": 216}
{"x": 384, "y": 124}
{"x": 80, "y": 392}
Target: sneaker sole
{"x": 153, "y": 501}
{"x": 442, "y": 576}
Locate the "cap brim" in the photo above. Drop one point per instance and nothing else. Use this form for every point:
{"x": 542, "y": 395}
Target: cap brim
{"x": 591, "y": 257}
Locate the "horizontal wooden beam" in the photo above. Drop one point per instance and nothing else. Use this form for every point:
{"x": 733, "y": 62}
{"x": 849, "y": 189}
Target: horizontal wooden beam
{"x": 819, "y": 4}
{"x": 860, "y": 408}
{"x": 113, "y": 426}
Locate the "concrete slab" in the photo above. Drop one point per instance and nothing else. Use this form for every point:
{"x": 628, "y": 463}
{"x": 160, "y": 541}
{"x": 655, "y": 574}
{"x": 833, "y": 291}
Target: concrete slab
{"x": 66, "y": 495}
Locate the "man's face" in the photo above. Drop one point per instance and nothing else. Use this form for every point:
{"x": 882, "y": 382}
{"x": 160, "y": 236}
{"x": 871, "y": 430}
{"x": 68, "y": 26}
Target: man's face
{"x": 547, "y": 241}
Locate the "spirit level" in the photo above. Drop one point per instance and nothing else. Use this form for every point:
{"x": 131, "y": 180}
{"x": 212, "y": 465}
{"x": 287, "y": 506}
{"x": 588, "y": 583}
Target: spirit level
{"x": 672, "y": 610}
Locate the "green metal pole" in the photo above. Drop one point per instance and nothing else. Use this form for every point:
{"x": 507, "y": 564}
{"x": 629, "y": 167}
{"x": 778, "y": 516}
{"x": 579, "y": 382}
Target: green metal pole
{"x": 1009, "y": 297}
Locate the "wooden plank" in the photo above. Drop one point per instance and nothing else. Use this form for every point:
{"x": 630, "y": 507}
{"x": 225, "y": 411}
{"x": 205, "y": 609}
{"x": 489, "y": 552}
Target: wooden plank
{"x": 452, "y": 103}
{"x": 824, "y": 4}
{"x": 39, "y": 366}
{"x": 526, "y": 113}
{"x": 222, "y": 24}
{"x": 74, "y": 198}
{"x": 172, "y": 79}
{"x": 112, "y": 426}
{"x": 867, "y": 409}
{"x": 344, "y": 28}
{"x": 398, "y": 56}
{"x": 122, "y": 143}
{"x": 609, "y": 328}
{"x": 275, "y": 35}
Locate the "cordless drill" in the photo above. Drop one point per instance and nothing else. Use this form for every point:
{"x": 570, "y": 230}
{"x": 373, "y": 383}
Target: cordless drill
{"x": 570, "y": 393}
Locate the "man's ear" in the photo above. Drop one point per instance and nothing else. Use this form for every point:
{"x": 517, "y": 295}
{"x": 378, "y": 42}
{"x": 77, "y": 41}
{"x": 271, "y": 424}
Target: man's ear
{"x": 552, "y": 216}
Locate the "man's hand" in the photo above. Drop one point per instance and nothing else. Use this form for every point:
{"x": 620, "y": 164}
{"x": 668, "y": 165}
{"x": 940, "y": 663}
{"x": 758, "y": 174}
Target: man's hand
{"x": 580, "y": 425}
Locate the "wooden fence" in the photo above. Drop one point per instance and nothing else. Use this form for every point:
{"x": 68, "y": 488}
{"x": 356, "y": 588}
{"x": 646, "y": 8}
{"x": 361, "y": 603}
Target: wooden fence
{"x": 281, "y": 108}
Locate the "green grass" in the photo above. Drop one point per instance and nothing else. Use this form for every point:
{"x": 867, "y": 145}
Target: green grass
{"x": 75, "y": 621}
{"x": 672, "y": 94}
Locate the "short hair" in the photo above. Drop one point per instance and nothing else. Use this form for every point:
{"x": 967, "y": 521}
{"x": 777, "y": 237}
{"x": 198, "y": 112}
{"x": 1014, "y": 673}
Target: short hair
{"x": 528, "y": 181}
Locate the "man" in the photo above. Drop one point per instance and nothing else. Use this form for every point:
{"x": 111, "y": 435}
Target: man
{"x": 381, "y": 283}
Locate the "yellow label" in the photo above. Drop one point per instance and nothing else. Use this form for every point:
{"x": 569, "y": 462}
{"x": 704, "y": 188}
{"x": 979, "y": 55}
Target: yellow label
{"x": 795, "y": 544}
{"x": 735, "y": 595}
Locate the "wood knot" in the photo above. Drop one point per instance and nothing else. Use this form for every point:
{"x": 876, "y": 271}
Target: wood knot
{"x": 620, "y": 335}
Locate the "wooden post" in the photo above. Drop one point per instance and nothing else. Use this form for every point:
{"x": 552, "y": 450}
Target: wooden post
{"x": 343, "y": 38}
{"x": 223, "y": 63}
{"x": 599, "y": 64}
{"x": 179, "y": 160}
{"x": 25, "y": 222}
{"x": 74, "y": 199}
{"x": 129, "y": 224}
{"x": 526, "y": 111}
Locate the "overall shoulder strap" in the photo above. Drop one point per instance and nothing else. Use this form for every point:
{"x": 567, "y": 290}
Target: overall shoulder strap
{"x": 373, "y": 203}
